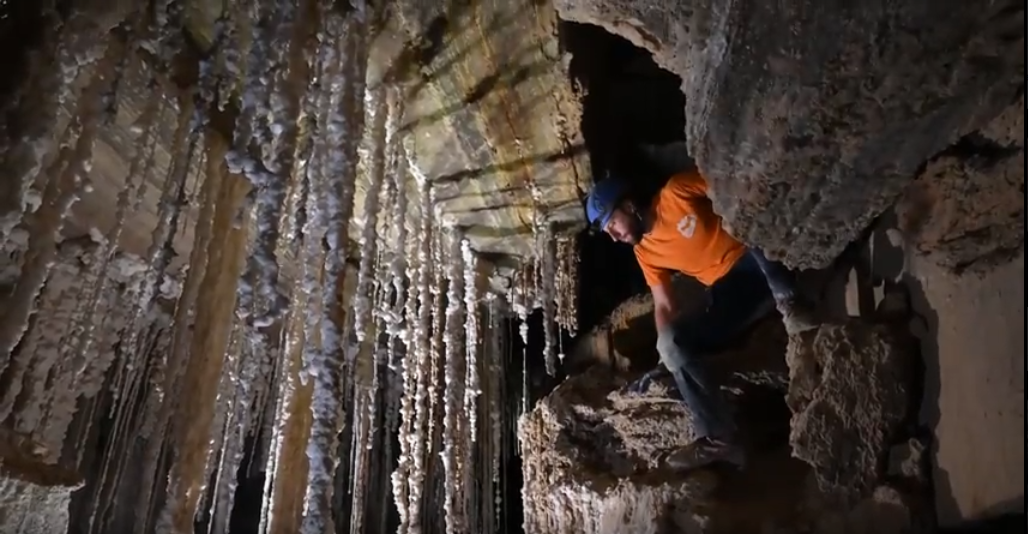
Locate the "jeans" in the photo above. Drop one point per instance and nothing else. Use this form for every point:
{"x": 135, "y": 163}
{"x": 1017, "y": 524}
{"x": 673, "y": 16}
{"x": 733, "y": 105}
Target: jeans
{"x": 779, "y": 278}
{"x": 735, "y": 303}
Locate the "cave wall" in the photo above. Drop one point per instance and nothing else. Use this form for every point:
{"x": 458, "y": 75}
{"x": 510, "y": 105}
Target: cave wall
{"x": 960, "y": 228}
{"x": 493, "y": 117}
{"x": 965, "y": 211}
{"x": 973, "y": 341}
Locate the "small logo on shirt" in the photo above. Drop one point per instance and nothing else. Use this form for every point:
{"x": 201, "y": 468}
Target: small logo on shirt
{"x": 687, "y": 226}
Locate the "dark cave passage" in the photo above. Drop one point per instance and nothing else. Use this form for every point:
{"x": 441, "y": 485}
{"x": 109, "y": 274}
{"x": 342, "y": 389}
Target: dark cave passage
{"x": 633, "y": 110}
{"x": 633, "y": 123}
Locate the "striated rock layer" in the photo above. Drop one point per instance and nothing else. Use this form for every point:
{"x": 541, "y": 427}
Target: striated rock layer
{"x": 810, "y": 118}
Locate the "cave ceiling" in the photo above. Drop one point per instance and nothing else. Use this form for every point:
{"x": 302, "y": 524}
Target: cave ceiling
{"x": 490, "y": 114}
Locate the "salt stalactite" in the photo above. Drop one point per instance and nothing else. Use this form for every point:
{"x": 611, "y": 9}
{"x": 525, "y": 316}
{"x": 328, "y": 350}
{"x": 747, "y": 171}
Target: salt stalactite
{"x": 472, "y": 391}
{"x": 292, "y": 394}
{"x": 547, "y": 297}
{"x": 362, "y": 422}
{"x": 408, "y": 478}
{"x": 389, "y": 262}
{"x": 401, "y": 477}
{"x": 365, "y": 483}
{"x": 368, "y": 240}
{"x": 379, "y": 289}
{"x": 456, "y": 521}
{"x": 402, "y": 320}
{"x": 344, "y": 128}
{"x": 259, "y": 70}
{"x": 567, "y": 285}
{"x": 437, "y": 356}
{"x": 436, "y": 369}
{"x": 521, "y": 299}
{"x": 158, "y": 257}
{"x": 391, "y": 427}
{"x": 226, "y": 448}
{"x": 423, "y": 390}
{"x": 268, "y": 176}
{"x": 401, "y": 267}
{"x": 66, "y": 182}
{"x": 494, "y": 382}
{"x": 313, "y": 228}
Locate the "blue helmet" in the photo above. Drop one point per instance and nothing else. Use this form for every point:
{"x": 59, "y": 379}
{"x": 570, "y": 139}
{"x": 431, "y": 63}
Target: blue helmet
{"x": 603, "y": 200}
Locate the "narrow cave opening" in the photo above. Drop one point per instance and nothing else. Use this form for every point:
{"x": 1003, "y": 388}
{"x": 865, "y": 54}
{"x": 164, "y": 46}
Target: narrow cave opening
{"x": 634, "y": 128}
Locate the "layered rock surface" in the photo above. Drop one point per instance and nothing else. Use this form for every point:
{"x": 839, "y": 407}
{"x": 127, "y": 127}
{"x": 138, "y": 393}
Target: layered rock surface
{"x": 495, "y": 121}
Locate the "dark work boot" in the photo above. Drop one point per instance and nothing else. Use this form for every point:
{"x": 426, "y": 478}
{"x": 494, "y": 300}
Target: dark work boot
{"x": 797, "y": 315}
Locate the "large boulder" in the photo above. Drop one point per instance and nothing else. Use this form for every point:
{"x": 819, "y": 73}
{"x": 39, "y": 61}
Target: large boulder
{"x": 811, "y": 118}
{"x": 592, "y": 459}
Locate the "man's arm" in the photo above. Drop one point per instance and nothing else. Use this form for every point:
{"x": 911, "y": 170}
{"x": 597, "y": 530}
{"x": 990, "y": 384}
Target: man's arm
{"x": 663, "y": 306}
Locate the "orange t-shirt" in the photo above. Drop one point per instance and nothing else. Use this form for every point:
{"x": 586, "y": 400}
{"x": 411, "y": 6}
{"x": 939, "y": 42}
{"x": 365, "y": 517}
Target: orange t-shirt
{"x": 686, "y": 235}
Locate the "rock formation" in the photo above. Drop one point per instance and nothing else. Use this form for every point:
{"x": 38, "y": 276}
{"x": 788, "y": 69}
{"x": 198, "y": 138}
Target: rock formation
{"x": 594, "y": 453}
{"x": 966, "y": 209}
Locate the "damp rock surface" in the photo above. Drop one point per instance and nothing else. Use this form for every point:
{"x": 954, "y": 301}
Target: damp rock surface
{"x": 810, "y": 118}
{"x": 974, "y": 402}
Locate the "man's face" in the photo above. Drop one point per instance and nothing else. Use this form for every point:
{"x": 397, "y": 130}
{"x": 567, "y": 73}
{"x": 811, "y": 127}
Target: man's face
{"x": 624, "y": 226}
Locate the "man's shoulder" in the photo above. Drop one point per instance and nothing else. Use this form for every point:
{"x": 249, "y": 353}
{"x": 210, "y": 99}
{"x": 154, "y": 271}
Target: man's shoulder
{"x": 677, "y": 196}
{"x": 687, "y": 180}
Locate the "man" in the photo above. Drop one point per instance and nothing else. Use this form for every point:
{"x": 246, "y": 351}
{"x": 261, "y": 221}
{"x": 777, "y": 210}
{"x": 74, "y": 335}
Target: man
{"x": 679, "y": 232}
